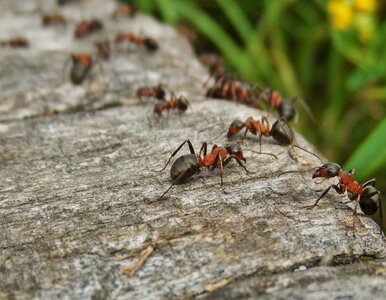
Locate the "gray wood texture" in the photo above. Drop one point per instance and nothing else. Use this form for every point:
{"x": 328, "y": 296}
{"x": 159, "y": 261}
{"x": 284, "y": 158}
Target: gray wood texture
{"x": 80, "y": 214}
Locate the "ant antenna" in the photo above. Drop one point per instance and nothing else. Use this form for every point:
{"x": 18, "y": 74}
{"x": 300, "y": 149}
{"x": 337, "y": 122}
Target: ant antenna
{"x": 259, "y": 152}
{"x": 308, "y": 152}
{"x": 297, "y": 171}
{"x": 306, "y": 107}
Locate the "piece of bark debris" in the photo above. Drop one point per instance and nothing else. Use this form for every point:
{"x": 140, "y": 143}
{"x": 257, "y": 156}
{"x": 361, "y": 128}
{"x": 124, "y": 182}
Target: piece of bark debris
{"x": 219, "y": 284}
{"x": 143, "y": 256}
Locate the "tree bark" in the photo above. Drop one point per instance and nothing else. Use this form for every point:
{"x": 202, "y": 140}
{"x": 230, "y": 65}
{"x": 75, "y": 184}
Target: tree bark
{"x": 80, "y": 211}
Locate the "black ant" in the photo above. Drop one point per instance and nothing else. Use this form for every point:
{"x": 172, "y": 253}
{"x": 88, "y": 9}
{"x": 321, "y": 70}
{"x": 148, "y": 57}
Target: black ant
{"x": 81, "y": 66}
{"x": 281, "y": 131}
{"x": 84, "y": 28}
{"x": 190, "y": 164}
{"x": 181, "y": 104}
{"x": 157, "y": 92}
{"x": 366, "y": 195}
{"x": 124, "y": 10}
{"x": 53, "y": 20}
{"x": 17, "y": 42}
{"x": 103, "y": 49}
{"x": 149, "y": 43}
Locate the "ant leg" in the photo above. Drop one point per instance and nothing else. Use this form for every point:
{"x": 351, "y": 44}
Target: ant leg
{"x": 219, "y": 160}
{"x": 204, "y": 148}
{"x": 175, "y": 181}
{"x": 334, "y": 186}
{"x": 293, "y": 146}
{"x": 245, "y": 133}
{"x": 176, "y": 151}
{"x": 369, "y": 182}
{"x": 228, "y": 159}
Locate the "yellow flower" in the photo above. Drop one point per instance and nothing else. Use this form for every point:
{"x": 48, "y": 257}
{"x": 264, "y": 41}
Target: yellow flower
{"x": 341, "y": 14}
{"x": 365, "y": 5}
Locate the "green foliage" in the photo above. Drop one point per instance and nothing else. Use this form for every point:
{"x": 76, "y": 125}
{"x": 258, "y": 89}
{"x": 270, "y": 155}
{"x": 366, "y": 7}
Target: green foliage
{"x": 297, "y": 47}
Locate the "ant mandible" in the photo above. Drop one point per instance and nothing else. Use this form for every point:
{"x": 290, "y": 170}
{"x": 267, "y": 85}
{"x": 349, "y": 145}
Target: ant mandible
{"x": 157, "y": 92}
{"x": 84, "y": 28}
{"x": 366, "y": 195}
{"x": 181, "y": 104}
{"x": 190, "y": 164}
{"x": 148, "y": 43}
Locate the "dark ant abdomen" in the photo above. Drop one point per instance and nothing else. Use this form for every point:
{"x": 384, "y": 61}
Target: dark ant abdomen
{"x": 369, "y": 205}
{"x": 79, "y": 73}
{"x": 186, "y": 165}
{"x": 282, "y": 132}
{"x": 287, "y": 110}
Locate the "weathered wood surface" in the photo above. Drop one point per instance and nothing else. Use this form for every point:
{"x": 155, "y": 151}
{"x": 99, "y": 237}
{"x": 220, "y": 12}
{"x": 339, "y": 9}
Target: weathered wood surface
{"x": 78, "y": 190}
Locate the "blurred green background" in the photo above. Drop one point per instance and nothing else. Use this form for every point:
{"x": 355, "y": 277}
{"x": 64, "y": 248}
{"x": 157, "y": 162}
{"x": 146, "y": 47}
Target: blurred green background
{"x": 331, "y": 53}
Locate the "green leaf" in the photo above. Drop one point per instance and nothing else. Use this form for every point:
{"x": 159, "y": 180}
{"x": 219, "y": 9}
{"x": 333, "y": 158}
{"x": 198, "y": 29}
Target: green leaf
{"x": 168, "y": 11}
{"x": 370, "y": 155}
{"x": 239, "y": 20}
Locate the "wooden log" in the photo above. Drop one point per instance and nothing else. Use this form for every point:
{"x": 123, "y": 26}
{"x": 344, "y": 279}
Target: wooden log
{"x": 79, "y": 194}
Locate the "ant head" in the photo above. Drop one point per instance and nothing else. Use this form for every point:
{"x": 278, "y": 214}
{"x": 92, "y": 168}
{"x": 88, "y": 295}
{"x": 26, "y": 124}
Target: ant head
{"x": 287, "y": 110}
{"x": 150, "y": 44}
{"x": 370, "y": 200}
{"x": 235, "y": 128}
{"x": 328, "y": 170}
{"x": 282, "y": 132}
{"x": 235, "y": 150}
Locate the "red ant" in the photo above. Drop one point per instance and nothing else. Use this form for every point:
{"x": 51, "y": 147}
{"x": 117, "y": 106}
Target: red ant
{"x": 103, "y": 48}
{"x": 15, "y": 43}
{"x": 53, "y": 20}
{"x": 181, "y": 104}
{"x": 148, "y": 43}
{"x": 190, "y": 164}
{"x": 285, "y": 107}
{"x": 124, "y": 10}
{"x": 233, "y": 90}
{"x": 157, "y": 92}
{"x": 81, "y": 66}
{"x": 366, "y": 195}
{"x": 280, "y": 131}
{"x": 86, "y": 27}
{"x": 214, "y": 63}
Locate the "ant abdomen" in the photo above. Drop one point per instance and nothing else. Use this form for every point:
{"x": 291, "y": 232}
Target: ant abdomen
{"x": 185, "y": 166}
{"x": 287, "y": 110}
{"x": 282, "y": 132}
{"x": 369, "y": 205}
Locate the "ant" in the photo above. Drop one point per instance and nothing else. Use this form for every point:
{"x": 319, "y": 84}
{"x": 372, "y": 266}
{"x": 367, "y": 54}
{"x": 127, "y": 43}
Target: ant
{"x": 124, "y": 10}
{"x": 53, "y": 20}
{"x": 157, "y": 92}
{"x": 281, "y": 132}
{"x": 181, "y": 104}
{"x": 103, "y": 49}
{"x": 17, "y": 42}
{"x": 190, "y": 164}
{"x": 214, "y": 63}
{"x": 232, "y": 90}
{"x": 285, "y": 107}
{"x": 148, "y": 43}
{"x": 366, "y": 195}
{"x": 81, "y": 66}
{"x": 86, "y": 27}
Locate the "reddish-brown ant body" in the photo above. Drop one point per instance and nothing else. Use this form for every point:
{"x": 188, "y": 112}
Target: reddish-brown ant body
{"x": 285, "y": 107}
{"x": 81, "y": 66}
{"x": 366, "y": 195}
{"x": 84, "y": 28}
{"x": 124, "y": 10}
{"x": 233, "y": 90}
{"x": 17, "y": 42}
{"x": 188, "y": 165}
{"x": 157, "y": 92}
{"x": 148, "y": 43}
{"x": 181, "y": 104}
{"x": 103, "y": 49}
{"x": 280, "y": 131}
{"x": 53, "y": 20}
